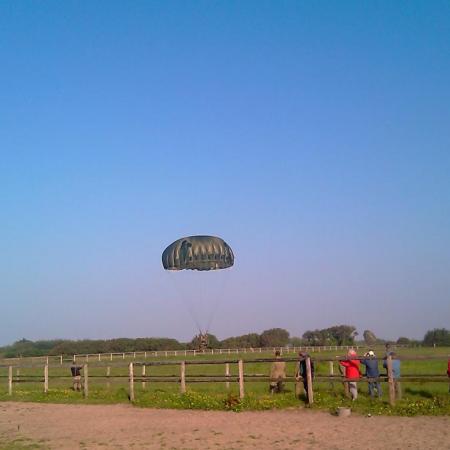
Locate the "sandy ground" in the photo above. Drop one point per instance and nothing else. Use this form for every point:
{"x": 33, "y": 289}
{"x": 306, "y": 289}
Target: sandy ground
{"x": 128, "y": 427}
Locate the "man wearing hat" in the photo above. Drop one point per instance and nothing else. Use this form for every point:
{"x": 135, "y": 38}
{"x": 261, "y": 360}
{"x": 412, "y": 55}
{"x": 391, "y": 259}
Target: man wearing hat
{"x": 372, "y": 373}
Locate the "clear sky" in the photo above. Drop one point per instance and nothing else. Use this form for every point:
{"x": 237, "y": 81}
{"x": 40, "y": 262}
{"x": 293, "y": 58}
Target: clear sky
{"x": 314, "y": 137}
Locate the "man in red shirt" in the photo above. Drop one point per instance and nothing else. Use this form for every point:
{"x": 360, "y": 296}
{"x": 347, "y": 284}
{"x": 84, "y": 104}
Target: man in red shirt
{"x": 352, "y": 373}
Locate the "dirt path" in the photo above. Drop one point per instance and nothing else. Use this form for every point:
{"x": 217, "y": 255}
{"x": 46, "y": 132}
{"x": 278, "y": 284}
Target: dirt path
{"x": 126, "y": 427}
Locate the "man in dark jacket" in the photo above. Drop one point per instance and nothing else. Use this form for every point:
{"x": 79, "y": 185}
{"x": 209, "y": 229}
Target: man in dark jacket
{"x": 372, "y": 373}
{"x": 300, "y": 373}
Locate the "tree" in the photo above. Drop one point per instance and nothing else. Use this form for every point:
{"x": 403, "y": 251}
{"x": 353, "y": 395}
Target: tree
{"x": 251, "y": 340}
{"x": 275, "y": 337}
{"x": 343, "y": 334}
{"x": 403, "y": 341}
{"x": 369, "y": 338}
{"x": 336, "y": 335}
{"x": 196, "y": 342}
{"x": 296, "y": 341}
{"x": 438, "y": 336}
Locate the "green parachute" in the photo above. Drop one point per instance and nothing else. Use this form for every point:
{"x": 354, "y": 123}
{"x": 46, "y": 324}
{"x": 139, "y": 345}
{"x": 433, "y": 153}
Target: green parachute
{"x": 198, "y": 253}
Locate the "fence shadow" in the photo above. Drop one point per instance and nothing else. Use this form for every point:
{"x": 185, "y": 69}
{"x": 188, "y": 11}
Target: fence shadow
{"x": 418, "y": 392}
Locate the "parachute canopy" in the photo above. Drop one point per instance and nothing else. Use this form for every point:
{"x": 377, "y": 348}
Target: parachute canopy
{"x": 198, "y": 253}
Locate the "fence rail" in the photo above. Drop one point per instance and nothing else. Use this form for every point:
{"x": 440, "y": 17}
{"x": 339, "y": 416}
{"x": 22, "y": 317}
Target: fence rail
{"x": 111, "y": 356}
{"x": 183, "y": 379}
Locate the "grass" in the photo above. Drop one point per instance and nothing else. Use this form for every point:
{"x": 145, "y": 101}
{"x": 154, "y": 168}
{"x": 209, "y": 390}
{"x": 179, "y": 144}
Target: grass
{"x": 21, "y": 443}
{"x": 418, "y": 398}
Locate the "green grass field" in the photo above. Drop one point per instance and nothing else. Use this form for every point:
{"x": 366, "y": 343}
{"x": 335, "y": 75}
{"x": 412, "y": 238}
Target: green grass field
{"x": 427, "y": 398}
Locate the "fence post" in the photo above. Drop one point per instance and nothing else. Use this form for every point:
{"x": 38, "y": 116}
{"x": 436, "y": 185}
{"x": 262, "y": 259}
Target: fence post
{"x": 108, "y": 373}
{"x": 61, "y": 359}
{"x": 183, "y": 377}
{"x": 144, "y": 384}
{"x": 131, "y": 380}
{"x": 390, "y": 381}
{"x": 110, "y": 357}
{"x": 241, "y": 378}
{"x": 86, "y": 381}
{"x": 46, "y": 378}
{"x": 227, "y": 374}
{"x": 99, "y": 357}
{"x": 10, "y": 380}
{"x": 331, "y": 365}
{"x": 309, "y": 381}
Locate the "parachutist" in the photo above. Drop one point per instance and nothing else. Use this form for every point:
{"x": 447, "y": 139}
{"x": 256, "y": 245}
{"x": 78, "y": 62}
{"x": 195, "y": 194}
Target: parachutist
{"x": 203, "y": 341}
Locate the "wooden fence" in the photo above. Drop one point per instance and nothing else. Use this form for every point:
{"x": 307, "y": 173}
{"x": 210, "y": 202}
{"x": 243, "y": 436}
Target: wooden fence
{"x": 226, "y": 378}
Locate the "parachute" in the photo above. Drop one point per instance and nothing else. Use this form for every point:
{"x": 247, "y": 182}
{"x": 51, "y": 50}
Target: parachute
{"x": 198, "y": 253}
{"x": 194, "y": 266}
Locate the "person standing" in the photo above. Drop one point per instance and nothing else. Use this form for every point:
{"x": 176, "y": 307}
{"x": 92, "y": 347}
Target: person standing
{"x": 301, "y": 372}
{"x": 372, "y": 373}
{"x": 277, "y": 374}
{"x": 76, "y": 376}
{"x": 352, "y": 373}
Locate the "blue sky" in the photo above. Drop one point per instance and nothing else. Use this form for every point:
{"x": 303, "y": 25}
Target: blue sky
{"x": 313, "y": 137}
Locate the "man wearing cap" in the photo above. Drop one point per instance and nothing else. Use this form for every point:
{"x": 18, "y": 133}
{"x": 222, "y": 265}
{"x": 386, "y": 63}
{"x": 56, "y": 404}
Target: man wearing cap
{"x": 372, "y": 373}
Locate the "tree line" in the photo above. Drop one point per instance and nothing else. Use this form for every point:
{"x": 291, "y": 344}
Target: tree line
{"x": 274, "y": 337}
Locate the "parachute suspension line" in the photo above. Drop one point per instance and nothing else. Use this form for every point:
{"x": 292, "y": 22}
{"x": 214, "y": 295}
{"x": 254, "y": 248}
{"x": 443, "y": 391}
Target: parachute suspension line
{"x": 186, "y": 304}
{"x": 218, "y": 299}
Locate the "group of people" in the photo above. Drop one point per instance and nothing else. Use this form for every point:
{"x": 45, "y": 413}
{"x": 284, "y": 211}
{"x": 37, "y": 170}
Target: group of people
{"x": 278, "y": 374}
{"x": 352, "y": 372}
{"x": 351, "y": 369}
